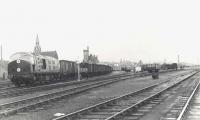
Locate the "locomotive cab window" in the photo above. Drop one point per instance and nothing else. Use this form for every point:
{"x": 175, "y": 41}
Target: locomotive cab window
{"x": 33, "y": 67}
{"x": 44, "y": 63}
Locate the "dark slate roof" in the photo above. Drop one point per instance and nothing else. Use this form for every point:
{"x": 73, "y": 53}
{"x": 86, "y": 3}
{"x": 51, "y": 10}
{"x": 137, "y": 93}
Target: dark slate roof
{"x": 50, "y": 54}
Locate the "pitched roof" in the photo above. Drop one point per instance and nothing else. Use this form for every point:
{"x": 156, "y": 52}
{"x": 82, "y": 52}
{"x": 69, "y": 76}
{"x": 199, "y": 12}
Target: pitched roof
{"x": 50, "y": 54}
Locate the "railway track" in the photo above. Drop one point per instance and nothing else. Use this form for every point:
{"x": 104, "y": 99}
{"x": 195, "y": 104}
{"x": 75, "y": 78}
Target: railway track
{"x": 120, "y": 107}
{"x": 15, "y": 91}
{"x": 8, "y": 85}
{"x": 5, "y": 84}
{"x": 169, "y": 103}
{"x": 34, "y": 102}
{"x": 190, "y": 106}
{"x": 20, "y": 105}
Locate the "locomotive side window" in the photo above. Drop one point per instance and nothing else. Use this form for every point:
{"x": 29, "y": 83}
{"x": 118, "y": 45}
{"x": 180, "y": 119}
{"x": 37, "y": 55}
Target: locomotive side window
{"x": 44, "y": 63}
{"x": 33, "y": 67}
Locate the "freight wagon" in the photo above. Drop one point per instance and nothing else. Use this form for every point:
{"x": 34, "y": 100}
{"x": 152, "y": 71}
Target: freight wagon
{"x": 89, "y": 70}
{"x": 169, "y": 66}
{"x": 29, "y": 69}
{"x": 68, "y": 69}
{"x": 150, "y": 67}
{"x": 153, "y": 69}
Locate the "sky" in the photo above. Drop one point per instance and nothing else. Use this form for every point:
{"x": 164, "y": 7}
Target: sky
{"x": 147, "y": 30}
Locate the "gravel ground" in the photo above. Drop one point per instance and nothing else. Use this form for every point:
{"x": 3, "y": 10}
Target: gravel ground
{"x": 170, "y": 100}
{"x": 88, "y": 98}
{"x": 34, "y": 94}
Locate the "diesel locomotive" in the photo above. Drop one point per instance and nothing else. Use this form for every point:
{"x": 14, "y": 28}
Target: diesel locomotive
{"x": 29, "y": 69}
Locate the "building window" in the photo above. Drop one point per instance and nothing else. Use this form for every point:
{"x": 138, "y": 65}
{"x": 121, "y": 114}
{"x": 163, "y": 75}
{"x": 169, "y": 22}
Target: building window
{"x": 44, "y": 63}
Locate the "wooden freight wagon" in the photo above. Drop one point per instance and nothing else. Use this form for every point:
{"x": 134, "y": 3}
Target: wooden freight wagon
{"x": 68, "y": 69}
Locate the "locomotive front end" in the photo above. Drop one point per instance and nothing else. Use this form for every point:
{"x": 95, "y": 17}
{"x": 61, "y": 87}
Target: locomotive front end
{"x": 19, "y": 69}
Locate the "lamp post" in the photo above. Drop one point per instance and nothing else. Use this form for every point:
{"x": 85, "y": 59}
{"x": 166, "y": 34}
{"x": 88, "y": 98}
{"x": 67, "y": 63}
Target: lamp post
{"x": 178, "y": 62}
{"x": 78, "y": 71}
{"x": 78, "y": 65}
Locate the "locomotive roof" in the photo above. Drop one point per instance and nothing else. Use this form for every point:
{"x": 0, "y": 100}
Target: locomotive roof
{"x": 22, "y": 55}
{"x": 30, "y": 56}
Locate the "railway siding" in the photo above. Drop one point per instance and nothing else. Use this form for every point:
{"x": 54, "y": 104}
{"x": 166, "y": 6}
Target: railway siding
{"x": 169, "y": 104}
{"x": 38, "y": 106}
{"x": 15, "y": 106}
{"x": 95, "y": 112}
{"x": 191, "y": 107}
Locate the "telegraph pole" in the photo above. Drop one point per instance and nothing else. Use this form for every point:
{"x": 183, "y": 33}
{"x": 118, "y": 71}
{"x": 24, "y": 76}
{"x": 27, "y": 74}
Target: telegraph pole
{"x": 178, "y": 61}
{"x": 1, "y": 53}
{"x": 78, "y": 65}
{"x": 1, "y": 62}
{"x": 78, "y": 71}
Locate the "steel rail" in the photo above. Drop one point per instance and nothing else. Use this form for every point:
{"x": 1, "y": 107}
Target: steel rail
{"x": 103, "y": 103}
{"x": 14, "y": 91}
{"x": 98, "y": 106}
{"x": 6, "y": 112}
{"x": 56, "y": 92}
{"x": 4, "y": 91}
{"x": 123, "y": 112}
{"x": 73, "y": 91}
{"x": 188, "y": 102}
{"x": 21, "y": 91}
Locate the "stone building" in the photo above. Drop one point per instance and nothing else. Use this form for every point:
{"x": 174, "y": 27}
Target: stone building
{"x": 89, "y": 58}
{"x": 86, "y": 54}
{"x": 38, "y": 50}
